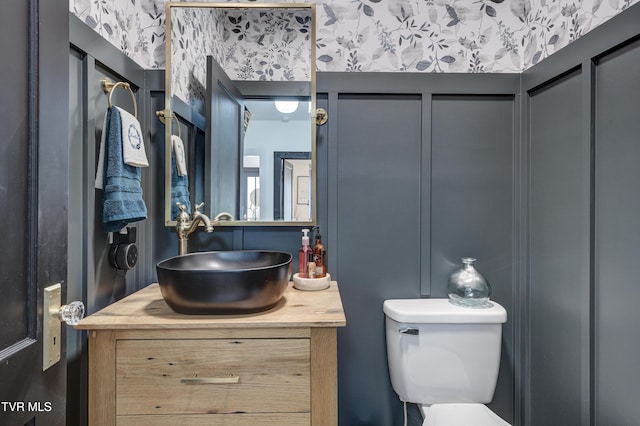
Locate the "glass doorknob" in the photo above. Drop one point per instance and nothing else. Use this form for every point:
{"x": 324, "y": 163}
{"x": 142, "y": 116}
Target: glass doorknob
{"x": 71, "y": 313}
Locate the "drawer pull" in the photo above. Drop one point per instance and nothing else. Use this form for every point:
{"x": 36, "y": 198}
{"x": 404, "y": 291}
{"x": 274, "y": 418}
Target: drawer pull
{"x": 210, "y": 380}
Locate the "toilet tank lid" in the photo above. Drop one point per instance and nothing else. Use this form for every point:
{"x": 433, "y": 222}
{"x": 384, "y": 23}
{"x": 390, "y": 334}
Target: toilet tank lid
{"x": 433, "y": 311}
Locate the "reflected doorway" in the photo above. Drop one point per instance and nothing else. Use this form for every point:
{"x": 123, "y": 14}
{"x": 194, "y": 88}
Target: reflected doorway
{"x": 292, "y": 194}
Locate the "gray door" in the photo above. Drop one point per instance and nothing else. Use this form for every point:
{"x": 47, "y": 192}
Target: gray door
{"x": 224, "y": 112}
{"x": 33, "y": 199}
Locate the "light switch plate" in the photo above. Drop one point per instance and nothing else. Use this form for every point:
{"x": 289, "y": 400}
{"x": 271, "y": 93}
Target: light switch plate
{"x": 51, "y": 326}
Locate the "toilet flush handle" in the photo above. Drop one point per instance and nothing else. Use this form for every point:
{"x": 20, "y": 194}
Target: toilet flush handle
{"x": 410, "y": 330}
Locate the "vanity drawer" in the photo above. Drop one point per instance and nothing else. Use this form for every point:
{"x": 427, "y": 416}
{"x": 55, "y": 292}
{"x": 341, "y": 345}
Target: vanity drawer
{"x": 212, "y": 376}
{"x": 273, "y": 419}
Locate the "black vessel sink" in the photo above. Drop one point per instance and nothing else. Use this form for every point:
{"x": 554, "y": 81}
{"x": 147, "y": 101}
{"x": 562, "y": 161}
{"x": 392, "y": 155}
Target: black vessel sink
{"x": 224, "y": 282}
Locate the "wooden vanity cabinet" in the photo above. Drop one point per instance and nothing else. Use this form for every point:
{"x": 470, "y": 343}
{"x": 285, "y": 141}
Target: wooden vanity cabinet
{"x": 151, "y": 366}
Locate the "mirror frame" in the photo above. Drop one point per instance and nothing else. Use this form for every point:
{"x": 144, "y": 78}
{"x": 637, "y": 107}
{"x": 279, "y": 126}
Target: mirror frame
{"x": 168, "y": 122}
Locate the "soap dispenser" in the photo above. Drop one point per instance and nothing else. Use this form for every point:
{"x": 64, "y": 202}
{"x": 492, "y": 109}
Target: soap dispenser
{"x": 304, "y": 255}
{"x": 320, "y": 255}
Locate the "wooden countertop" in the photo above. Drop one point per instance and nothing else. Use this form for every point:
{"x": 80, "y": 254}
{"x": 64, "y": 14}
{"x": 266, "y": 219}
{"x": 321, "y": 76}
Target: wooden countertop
{"x": 146, "y": 309}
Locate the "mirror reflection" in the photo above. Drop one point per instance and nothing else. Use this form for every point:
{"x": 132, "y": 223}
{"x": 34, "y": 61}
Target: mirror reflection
{"x": 249, "y": 71}
{"x": 278, "y": 130}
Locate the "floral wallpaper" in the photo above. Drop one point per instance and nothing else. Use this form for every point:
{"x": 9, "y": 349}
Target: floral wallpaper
{"x": 249, "y": 44}
{"x": 136, "y": 27}
{"x": 391, "y": 35}
{"x": 283, "y": 39}
{"x": 192, "y": 35}
{"x": 452, "y": 35}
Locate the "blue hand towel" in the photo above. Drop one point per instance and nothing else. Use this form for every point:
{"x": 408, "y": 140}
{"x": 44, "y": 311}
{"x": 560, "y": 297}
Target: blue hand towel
{"x": 179, "y": 189}
{"x": 123, "y": 201}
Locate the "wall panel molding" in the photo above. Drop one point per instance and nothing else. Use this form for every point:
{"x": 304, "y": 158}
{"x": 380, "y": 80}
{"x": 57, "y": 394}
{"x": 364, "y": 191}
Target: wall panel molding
{"x": 466, "y": 134}
{"x": 580, "y": 260}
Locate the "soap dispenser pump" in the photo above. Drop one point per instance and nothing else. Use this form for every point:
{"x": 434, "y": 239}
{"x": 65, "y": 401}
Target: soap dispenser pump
{"x": 304, "y": 255}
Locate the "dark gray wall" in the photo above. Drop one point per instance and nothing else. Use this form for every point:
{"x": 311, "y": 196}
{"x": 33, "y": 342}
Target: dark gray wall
{"x": 421, "y": 173}
{"x": 91, "y": 278}
{"x": 559, "y": 193}
{"x": 378, "y": 240}
{"x": 88, "y": 103}
{"x": 579, "y": 184}
{"x": 616, "y": 376}
{"x": 472, "y": 207}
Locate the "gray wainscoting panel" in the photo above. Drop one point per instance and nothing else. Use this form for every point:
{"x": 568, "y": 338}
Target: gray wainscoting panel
{"x": 472, "y": 146}
{"x": 580, "y": 333}
{"x": 91, "y": 278}
{"x": 378, "y": 241}
{"x": 558, "y": 268}
{"x": 471, "y": 189}
{"x": 617, "y": 227}
{"x": 403, "y": 154}
{"x": 102, "y": 284}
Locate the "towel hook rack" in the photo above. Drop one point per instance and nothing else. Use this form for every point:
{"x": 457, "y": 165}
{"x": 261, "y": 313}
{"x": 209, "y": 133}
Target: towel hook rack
{"x": 109, "y": 87}
{"x": 162, "y": 116}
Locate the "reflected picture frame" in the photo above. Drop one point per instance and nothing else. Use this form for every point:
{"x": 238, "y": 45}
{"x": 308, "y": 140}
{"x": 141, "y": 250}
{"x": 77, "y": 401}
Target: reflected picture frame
{"x": 302, "y": 192}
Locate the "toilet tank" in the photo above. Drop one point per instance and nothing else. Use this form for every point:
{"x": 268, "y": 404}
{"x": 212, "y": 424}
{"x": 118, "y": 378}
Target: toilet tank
{"x": 442, "y": 353}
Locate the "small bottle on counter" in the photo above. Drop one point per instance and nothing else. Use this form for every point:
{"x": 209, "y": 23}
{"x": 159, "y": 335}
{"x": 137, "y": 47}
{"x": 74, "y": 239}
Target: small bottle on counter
{"x": 304, "y": 255}
{"x": 320, "y": 256}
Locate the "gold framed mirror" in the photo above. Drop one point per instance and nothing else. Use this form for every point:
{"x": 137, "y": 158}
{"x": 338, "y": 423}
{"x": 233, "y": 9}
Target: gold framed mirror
{"x": 234, "y": 64}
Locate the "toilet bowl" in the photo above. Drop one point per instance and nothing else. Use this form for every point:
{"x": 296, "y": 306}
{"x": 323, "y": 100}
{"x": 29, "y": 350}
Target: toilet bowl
{"x": 460, "y": 415}
{"x": 445, "y": 358}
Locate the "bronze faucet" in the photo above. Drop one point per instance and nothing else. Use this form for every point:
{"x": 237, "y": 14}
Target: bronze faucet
{"x": 186, "y": 225}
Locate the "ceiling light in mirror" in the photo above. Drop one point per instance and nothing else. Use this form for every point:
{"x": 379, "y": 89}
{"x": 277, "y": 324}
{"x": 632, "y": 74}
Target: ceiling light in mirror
{"x": 286, "y": 107}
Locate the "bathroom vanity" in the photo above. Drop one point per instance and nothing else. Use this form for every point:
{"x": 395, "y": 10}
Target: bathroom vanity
{"x": 151, "y": 366}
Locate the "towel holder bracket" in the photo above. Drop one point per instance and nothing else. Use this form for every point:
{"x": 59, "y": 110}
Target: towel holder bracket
{"x": 162, "y": 116}
{"x": 109, "y": 87}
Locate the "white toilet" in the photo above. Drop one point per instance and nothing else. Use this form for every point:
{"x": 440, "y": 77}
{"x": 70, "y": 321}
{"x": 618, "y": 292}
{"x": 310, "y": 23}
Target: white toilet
{"x": 445, "y": 358}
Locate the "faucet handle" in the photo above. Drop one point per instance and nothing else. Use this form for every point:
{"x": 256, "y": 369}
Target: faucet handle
{"x": 183, "y": 216}
{"x": 197, "y": 209}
